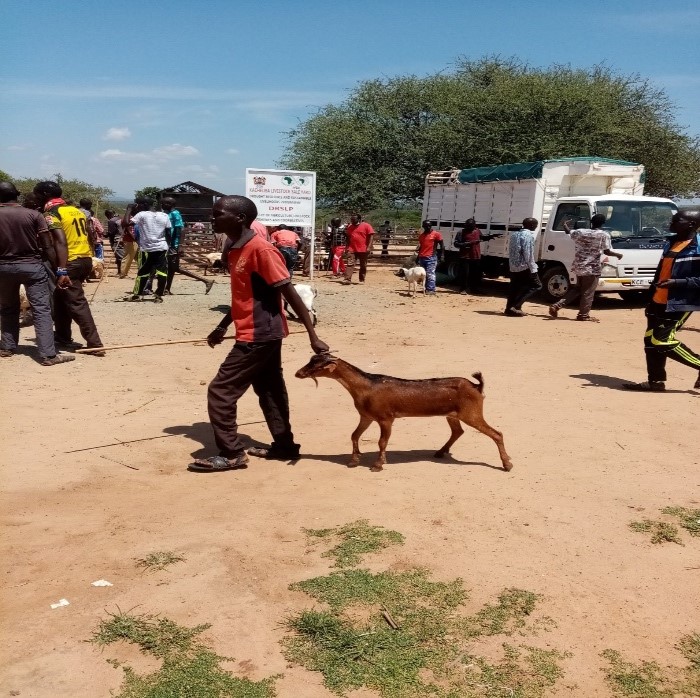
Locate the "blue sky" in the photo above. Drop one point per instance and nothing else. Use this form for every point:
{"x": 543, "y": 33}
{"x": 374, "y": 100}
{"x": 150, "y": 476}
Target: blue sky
{"x": 131, "y": 94}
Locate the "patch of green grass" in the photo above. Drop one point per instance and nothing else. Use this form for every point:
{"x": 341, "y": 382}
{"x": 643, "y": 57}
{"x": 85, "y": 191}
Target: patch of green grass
{"x": 641, "y": 681}
{"x": 431, "y": 653}
{"x": 189, "y": 668}
{"x": 661, "y": 532}
{"x": 160, "y": 560}
{"x": 504, "y": 617}
{"x": 689, "y": 518}
{"x": 355, "y": 540}
{"x": 649, "y": 680}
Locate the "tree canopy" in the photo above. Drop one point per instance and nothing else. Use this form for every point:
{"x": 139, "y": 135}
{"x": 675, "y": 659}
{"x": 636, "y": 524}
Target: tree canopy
{"x": 73, "y": 189}
{"x": 148, "y": 193}
{"x": 376, "y": 147}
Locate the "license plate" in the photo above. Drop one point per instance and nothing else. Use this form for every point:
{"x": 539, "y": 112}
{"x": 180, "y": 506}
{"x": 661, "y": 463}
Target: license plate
{"x": 640, "y": 282}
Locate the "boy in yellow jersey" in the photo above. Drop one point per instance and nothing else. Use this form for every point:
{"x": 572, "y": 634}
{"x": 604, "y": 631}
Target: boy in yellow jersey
{"x": 69, "y": 229}
{"x": 676, "y": 294}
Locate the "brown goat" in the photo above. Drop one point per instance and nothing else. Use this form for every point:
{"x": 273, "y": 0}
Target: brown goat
{"x": 383, "y": 399}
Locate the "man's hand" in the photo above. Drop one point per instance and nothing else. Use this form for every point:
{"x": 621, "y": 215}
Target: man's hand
{"x": 216, "y": 337}
{"x": 64, "y": 282}
{"x": 666, "y": 284}
{"x": 319, "y": 346}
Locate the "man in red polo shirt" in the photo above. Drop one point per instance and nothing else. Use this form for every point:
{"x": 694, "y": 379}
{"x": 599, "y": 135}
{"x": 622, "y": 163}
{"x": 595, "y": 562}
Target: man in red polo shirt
{"x": 259, "y": 281}
{"x": 360, "y": 236}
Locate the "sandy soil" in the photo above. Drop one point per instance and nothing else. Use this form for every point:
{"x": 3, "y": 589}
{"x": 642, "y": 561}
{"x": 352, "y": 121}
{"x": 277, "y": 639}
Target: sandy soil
{"x": 589, "y": 458}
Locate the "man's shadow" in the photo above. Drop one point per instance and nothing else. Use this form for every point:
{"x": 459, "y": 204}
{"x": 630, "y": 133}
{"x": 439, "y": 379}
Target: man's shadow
{"x": 596, "y": 380}
{"x": 201, "y": 432}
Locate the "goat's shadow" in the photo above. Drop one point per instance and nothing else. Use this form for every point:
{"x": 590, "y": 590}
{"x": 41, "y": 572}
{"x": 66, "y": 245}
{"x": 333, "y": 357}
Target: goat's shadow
{"x": 201, "y": 432}
{"x": 596, "y": 380}
{"x": 221, "y": 308}
{"x": 368, "y": 458}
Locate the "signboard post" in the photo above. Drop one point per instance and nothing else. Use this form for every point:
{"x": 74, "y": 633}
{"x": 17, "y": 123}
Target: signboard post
{"x": 284, "y": 196}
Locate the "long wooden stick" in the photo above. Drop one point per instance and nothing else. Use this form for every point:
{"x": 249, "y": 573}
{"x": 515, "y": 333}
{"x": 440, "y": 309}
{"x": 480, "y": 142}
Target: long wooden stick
{"x": 145, "y": 344}
{"x": 148, "y": 438}
{"x": 154, "y": 344}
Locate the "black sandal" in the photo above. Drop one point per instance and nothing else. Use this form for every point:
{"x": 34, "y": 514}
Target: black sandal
{"x": 646, "y": 386}
{"x": 216, "y": 464}
{"x": 273, "y": 453}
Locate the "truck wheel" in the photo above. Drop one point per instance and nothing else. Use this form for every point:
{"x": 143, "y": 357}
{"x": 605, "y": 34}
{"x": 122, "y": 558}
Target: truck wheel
{"x": 453, "y": 271}
{"x": 555, "y": 283}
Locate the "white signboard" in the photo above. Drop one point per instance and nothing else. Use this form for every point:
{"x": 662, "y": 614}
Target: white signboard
{"x": 283, "y": 196}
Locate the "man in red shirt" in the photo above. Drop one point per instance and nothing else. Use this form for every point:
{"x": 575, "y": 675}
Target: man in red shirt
{"x": 289, "y": 244}
{"x": 359, "y": 236}
{"x": 259, "y": 281}
{"x": 430, "y": 249}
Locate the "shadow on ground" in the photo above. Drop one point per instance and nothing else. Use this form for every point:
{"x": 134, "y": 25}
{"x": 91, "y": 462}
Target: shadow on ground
{"x": 201, "y": 432}
{"x": 596, "y": 380}
{"x": 393, "y": 458}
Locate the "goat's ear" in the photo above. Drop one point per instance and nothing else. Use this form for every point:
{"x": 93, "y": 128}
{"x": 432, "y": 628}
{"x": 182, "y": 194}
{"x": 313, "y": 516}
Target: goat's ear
{"x": 331, "y": 367}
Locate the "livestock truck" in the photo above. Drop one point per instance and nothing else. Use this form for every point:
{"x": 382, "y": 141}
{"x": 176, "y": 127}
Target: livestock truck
{"x": 553, "y": 191}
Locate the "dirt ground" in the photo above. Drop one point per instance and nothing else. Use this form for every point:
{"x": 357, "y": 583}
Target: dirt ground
{"x": 589, "y": 458}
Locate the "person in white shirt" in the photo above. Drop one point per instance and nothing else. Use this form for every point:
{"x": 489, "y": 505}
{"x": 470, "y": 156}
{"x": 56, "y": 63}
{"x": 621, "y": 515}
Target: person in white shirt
{"x": 152, "y": 228}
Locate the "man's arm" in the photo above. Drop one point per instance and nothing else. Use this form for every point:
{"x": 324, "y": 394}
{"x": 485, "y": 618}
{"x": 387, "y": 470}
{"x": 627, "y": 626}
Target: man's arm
{"x": 292, "y": 297}
{"x": 439, "y": 248}
{"x": 529, "y": 254}
{"x": 46, "y": 243}
{"x": 612, "y": 253}
{"x": 61, "y": 249}
{"x": 216, "y": 336}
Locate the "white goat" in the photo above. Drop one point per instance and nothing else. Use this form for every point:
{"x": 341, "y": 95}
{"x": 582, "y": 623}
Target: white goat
{"x": 414, "y": 276}
{"x": 98, "y": 269}
{"x": 307, "y": 295}
{"x": 213, "y": 261}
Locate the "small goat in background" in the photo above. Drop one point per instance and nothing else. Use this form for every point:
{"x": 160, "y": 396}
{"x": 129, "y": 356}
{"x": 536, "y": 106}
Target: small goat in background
{"x": 307, "y": 294}
{"x": 414, "y": 276}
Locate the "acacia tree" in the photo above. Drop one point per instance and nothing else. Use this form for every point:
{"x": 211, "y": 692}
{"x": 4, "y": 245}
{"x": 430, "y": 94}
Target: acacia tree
{"x": 152, "y": 193}
{"x": 376, "y": 147}
{"x": 73, "y": 189}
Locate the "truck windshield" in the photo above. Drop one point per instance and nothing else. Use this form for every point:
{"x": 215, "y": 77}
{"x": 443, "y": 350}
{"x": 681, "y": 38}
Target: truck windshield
{"x": 637, "y": 219}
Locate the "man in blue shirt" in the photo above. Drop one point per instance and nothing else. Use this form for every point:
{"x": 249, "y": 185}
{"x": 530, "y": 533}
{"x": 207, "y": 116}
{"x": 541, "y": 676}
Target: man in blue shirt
{"x": 177, "y": 227}
{"x": 524, "y": 280}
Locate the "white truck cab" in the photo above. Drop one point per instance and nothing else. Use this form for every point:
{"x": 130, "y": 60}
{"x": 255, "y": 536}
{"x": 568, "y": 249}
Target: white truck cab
{"x": 572, "y": 190}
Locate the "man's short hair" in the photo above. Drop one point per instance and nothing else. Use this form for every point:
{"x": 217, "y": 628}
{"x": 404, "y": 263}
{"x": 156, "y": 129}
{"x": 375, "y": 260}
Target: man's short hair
{"x": 241, "y": 204}
{"x": 86, "y": 203}
{"x": 109, "y": 213}
{"x": 48, "y": 189}
{"x": 144, "y": 202}
{"x": 8, "y": 192}
{"x": 597, "y": 220}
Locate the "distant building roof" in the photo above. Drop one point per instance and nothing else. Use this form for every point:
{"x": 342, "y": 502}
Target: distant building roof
{"x": 191, "y": 188}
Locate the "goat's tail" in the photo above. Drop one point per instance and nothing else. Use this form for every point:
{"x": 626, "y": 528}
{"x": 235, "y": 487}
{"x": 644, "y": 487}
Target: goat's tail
{"x": 480, "y": 378}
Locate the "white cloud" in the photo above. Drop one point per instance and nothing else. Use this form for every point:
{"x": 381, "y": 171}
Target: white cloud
{"x": 231, "y": 151}
{"x": 116, "y": 155}
{"x": 176, "y": 150}
{"x": 16, "y": 147}
{"x": 117, "y": 133}
{"x": 161, "y": 154}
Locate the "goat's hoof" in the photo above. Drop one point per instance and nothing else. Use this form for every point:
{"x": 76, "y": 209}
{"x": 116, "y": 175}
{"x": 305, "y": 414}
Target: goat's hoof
{"x": 376, "y": 468}
{"x": 353, "y": 463}
{"x": 508, "y": 466}
{"x": 441, "y": 454}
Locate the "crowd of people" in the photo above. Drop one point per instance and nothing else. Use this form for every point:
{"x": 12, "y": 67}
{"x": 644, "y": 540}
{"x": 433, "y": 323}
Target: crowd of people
{"x": 47, "y": 245}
